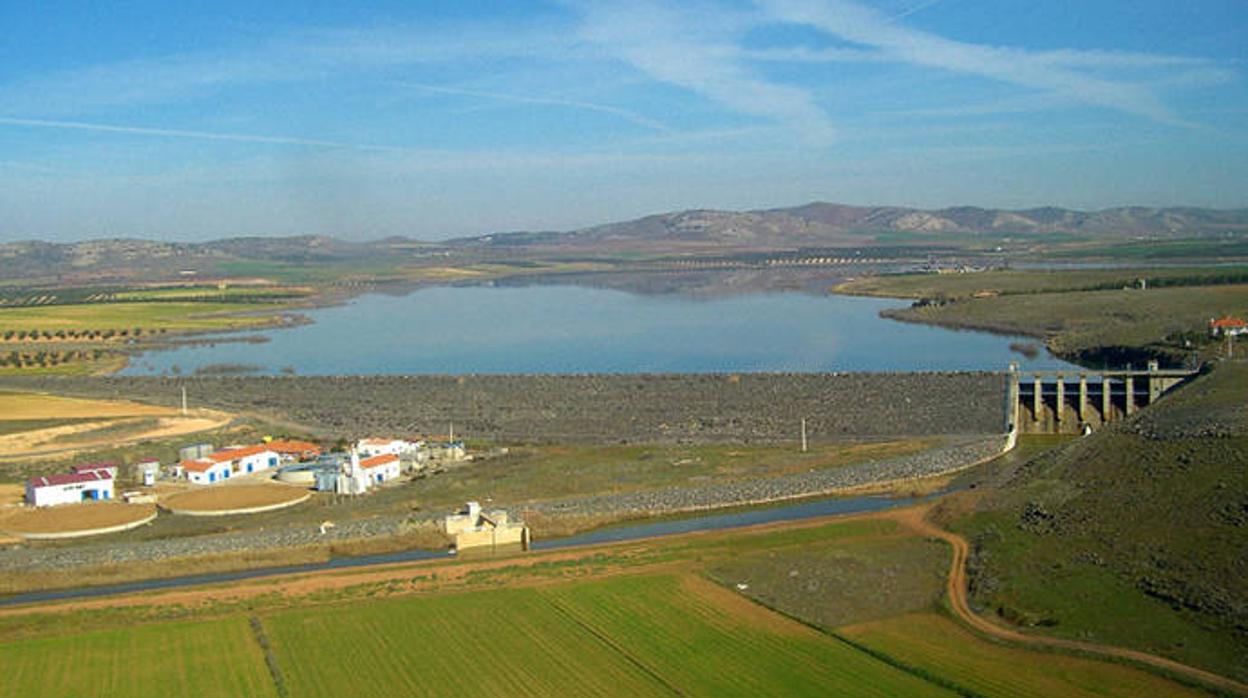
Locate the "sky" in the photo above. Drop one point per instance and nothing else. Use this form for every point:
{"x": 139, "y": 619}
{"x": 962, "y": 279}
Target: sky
{"x": 198, "y": 120}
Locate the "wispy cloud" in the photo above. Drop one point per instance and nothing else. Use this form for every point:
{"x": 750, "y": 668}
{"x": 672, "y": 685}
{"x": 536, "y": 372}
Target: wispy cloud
{"x": 1054, "y": 72}
{"x": 685, "y": 48}
{"x": 625, "y": 114}
{"x": 288, "y": 58}
{"x": 196, "y": 135}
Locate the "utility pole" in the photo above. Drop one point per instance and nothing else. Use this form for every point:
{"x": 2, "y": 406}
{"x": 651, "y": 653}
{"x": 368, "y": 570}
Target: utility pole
{"x": 803, "y": 434}
{"x": 184, "y": 401}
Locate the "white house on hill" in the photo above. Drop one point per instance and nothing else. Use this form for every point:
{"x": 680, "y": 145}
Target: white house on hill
{"x": 69, "y": 488}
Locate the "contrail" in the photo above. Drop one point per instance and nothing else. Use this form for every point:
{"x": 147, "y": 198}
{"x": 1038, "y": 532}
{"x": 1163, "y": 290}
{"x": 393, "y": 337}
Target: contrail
{"x": 917, "y": 8}
{"x": 576, "y": 104}
{"x": 201, "y": 135}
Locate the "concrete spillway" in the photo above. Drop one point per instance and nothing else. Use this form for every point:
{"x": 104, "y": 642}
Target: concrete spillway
{"x": 1056, "y": 402}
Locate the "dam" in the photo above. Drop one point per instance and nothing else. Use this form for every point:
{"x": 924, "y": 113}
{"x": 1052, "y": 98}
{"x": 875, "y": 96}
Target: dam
{"x": 1066, "y": 402}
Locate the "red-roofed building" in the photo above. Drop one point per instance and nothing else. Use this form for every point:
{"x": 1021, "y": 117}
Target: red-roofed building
{"x": 221, "y": 465}
{"x": 290, "y": 449}
{"x": 381, "y": 468}
{"x": 69, "y": 488}
{"x": 1227, "y": 326}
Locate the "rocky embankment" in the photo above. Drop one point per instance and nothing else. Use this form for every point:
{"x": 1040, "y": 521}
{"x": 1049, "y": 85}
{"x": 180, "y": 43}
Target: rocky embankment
{"x": 655, "y": 408}
{"x": 960, "y": 455}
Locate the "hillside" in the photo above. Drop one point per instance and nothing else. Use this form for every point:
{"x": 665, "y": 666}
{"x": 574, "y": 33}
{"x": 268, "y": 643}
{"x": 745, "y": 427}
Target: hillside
{"x": 814, "y": 225}
{"x": 1134, "y": 535}
{"x": 828, "y": 224}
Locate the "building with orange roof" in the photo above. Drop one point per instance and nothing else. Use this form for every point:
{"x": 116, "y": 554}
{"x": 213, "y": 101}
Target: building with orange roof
{"x": 220, "y": 466}
{"x": 1227, "y": 326}
{"x": 379, "y": 469}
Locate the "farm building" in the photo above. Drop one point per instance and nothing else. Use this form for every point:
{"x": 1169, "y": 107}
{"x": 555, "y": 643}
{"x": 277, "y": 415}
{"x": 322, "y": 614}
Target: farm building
{"x": 69, "y": 488}
{"x": 223, "y": 464}
{"x": 1227, "y": 326}
{"x": 379, "y": 469}
{"x": 473, "y": 528}
{"x": 380, "y": 447}
{"x": 290, "y": 450}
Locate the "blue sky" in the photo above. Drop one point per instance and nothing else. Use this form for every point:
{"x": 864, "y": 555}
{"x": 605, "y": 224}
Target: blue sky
{"x": 197, "y": 120}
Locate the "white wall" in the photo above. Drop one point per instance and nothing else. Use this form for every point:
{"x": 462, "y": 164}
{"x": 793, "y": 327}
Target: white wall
{"x": 54, "y": 495}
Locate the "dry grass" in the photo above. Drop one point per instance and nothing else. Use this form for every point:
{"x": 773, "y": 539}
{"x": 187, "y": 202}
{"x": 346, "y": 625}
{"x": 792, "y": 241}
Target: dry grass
{"x": 23, "y": 406}
{"x": 73, "y": 517}
{"x": 226, "y": 497}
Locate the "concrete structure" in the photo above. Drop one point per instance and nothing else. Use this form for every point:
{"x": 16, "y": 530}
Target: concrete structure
{"x": 221, "y": 465}
{"x": 1040, "y": 402}
{"x": 69, "y": 488}
{"x": 451, "y": 451}
{"x": 473, "y": 528}
{"x": 147, "y": 472}
{"x": 194, "y": 451}
{"x": 351, "y": 478}
{"x": 379, "y": 469}
{"x": 292, "y": 451}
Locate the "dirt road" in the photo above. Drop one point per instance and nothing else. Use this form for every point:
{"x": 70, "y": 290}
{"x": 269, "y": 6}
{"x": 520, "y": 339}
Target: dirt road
{"x": 956, "y": 588}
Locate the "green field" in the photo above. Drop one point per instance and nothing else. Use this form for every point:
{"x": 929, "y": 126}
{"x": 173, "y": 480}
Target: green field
{"x": 632, "y": 620}
{"x": 200, "y": 658}
{"x": 1085, "y": 316}
{"x": 631, "y": 636}
{"x": 934, "y": 645}
{"x": 171, "y": 316}
{"x": 1012, "y": 282}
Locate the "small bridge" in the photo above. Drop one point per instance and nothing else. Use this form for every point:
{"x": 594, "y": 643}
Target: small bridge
{"x": 1065, "y": 402}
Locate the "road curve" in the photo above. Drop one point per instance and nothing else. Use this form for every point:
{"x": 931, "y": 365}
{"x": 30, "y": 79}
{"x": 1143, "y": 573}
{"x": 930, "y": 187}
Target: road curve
{"x": 956, "y": 588}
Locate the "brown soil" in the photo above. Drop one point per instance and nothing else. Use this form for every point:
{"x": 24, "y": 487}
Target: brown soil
{"x": 225, "y": 497}
{"x": 73, "y": 517}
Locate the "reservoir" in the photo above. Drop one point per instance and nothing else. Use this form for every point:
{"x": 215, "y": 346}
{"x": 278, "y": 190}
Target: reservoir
{"x": 574, "y": 329}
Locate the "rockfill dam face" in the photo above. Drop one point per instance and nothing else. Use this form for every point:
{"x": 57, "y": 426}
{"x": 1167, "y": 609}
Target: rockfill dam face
{"x": 615, "y": 408}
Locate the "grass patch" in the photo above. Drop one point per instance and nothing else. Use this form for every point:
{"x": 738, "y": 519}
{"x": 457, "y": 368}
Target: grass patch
{"x": 936, "y": 645}
{"x": 203, "y": 658}
{"x": 831, "y": 583}
{"x": 172, "y": 316}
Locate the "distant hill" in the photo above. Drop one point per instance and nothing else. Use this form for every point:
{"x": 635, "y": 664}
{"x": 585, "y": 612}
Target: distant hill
{"x": 813, "y": 225}
{"x": 827, "y": 224}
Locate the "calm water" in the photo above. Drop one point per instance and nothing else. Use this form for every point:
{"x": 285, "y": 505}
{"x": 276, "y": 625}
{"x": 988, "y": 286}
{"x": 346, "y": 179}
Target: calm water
{"x": 566, "y": 329}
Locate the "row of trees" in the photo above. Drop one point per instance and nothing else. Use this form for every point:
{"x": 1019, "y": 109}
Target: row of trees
{"x": 46, "y": 359}
{"x": 15, "y": 335}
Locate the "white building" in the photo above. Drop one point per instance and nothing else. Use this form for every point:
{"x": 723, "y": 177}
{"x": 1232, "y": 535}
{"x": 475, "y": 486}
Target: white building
{"x": 229, "y": 462}
{"x": 69, "y": 488}
{"x": 380, "y": 447}
{"x": 379, "y": 469}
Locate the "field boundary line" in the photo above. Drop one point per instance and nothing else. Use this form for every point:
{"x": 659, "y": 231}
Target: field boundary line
{"x": 956, "y": 592}
{"x": 612, "y": 645}
{"x": 270, "y": 658}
